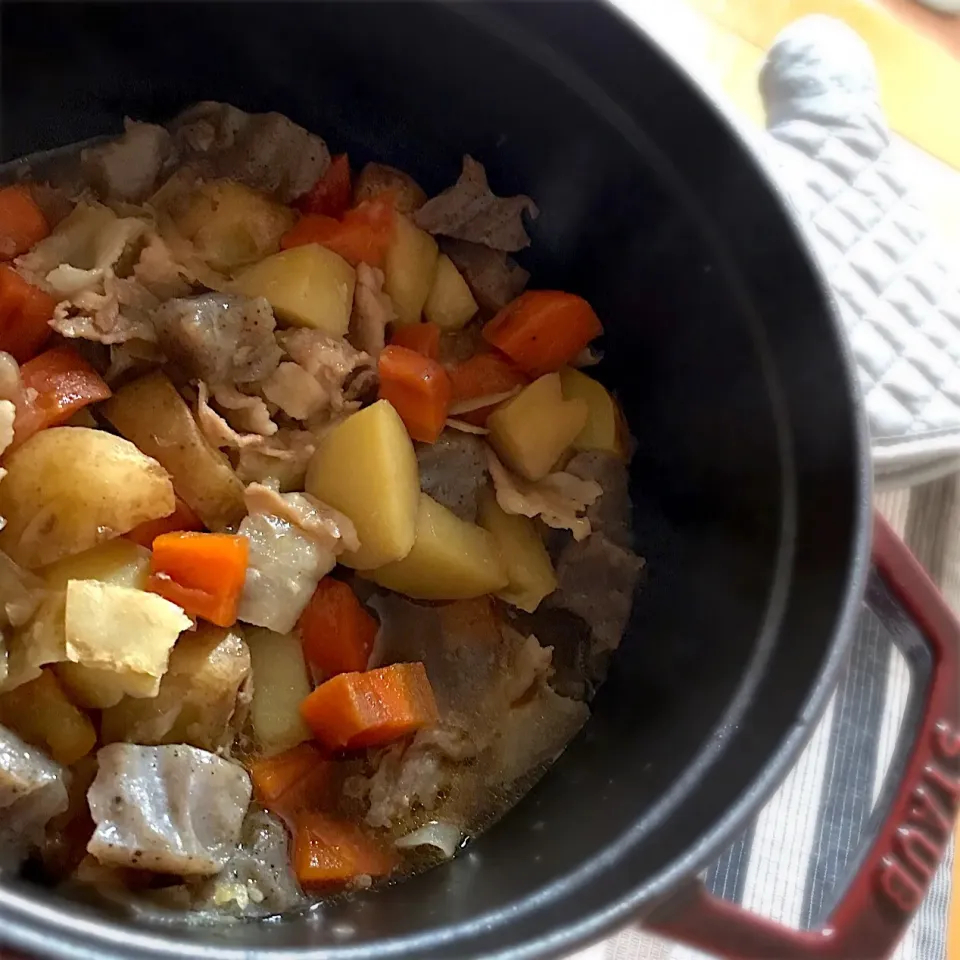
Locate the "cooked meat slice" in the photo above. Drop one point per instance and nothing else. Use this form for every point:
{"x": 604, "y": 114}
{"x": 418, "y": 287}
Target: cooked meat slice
{"x": 330, "y": 528}
{"x": 126, "y": 169}
{"x": 32, "y": 791}
{"x": 596, "y": 581}
{"x": 217, "y": 430}
{"x": 280, "y": 460}
{"x": 334, "y": 364}
{"x": 243, "y": 411}
{"x": 452, "y": 470}
{"x": 559, "y": 499}
{"x": 267, "y": 151}
{"x": 372, "y": 311}
{"x": 469, "y": 211}
{"x": 157, "y": 270}
{"x": 610, "y": 515}
{"x": 283, "y": 570}
{"x": 171, "y": 809}
{"x": 294, "y": 391}
{"x": 120, "y": 313}
{"x": 494, "y": 278}
{"x": 220, "y": 338}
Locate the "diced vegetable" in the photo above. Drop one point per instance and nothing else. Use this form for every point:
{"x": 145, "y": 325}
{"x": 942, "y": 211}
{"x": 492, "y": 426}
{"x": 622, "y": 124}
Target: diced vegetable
{"x": 532, "y": 431}
{"x": 409, "y": 269}
{"x": 450, "y": 560}
{"x": 362, "y": 235}
{"x": 484, "y": 375}
{"x": 118, "y": 562}
{"x": 422, "y": 338}
{"x": 450, "y": 304}
{"x": 231, "y": 224}
{"x": 528, "y": 565}
{"x": 198, "y": 699}
{"x": 418, "y": 388}
{"x": 543, "y": 329}
{"x": 307, "y": 286}
{"x": 41, "y": 713}
{"x": 201, "y": 572}
{"x": 25, "y": 313}
{"x": 69, "y": 488}
{"x": 377, "y": 179}
{"x": 280, "y": 685}
{"x": 330, "y": 852}
{"x": 330, "y": 195}
{"x": 151, "y": 413}
{"x": 603, "y": 430}
{"x": 122, "y": 630}
{"x": 274, "y": 776}
{"x": 336, "y": 630}
{"x": 182, "y": 518}
{"x": 56, "y": 384}
{"x": 352, "y": 711}
{"x": 366, "y": 468}
{"x": 22, "y": 222}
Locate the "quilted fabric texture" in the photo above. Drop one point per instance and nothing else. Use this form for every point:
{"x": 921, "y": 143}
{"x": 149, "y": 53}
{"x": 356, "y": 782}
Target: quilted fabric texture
{"x": 896, "y": 287}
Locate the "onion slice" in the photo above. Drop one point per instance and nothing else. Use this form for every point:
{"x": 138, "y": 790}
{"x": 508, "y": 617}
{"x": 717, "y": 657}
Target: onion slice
{"x": 445, "y": 837}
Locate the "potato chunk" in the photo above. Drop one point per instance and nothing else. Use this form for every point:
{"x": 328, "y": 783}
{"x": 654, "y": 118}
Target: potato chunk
{"x": 120, "y": 562}
{"x": 307, "y": 286}
{"x": 127, "y": 632}
{"x": 532, "y": 431}
{"x": 151, "y": 413}
{"x": 280, "y": 683}
{"x": 231, "y": 224}
{"x": 366, "y": 468}
{"x": 527, "y": 562}
{"x": 410, "y": 265}
{"x": 198, "y": 699}
{"x": 70, "y": 488}
{"x": 603, "y": 429}
{"x": 450, "y": 560}
{"x": 450, "y": 304}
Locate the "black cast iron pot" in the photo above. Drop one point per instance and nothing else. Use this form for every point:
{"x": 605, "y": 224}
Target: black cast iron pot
{"x": 750, "y": 481}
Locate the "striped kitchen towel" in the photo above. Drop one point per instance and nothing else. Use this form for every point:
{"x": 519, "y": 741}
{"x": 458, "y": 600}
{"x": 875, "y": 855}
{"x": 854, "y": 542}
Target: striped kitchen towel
{"x": 792, "y": 862}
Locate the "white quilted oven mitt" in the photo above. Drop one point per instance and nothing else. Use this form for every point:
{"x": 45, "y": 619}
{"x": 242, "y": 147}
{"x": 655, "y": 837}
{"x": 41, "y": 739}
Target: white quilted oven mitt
{"x": 894, "y": 283}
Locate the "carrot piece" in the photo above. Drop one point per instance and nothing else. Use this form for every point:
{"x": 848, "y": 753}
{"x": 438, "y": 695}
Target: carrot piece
{"x": 422, "y": 338}
{"x": 331, "y": 852}
{"x": 356, "y": 710}
{"x": 56, "y": 384}
{"x": 274, "y": 776}
{"x": 25, "y": 312}
{"x": 331, "y": 194}
{"x": 182, "y": 518}
{"x": 202, "y": 572}
{"x": 418, "y": 388}
{"x": 361, "y": 236}
{"x": 543, "y": 329}
{"x": 484, "y": 375}
{"x": 336, "y": 630}
{"x": 22, "y": 222}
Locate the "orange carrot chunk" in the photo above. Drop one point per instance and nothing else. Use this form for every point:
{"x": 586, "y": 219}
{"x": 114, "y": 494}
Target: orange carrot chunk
{"x": 329, "y": 852}
{"x": 362, "y": 235}
{"x": 356, "y": 710}
{"x": 542, "y": 330}
{"x": 274, "y": 776}
{"x": 182, "y": 518}
{"x": 22, "y": 222}
{"x": 331, "y": 194}
{"x": 418, "y": 388}
{"x": 25, "y": 312}
{"x": 337, "y": 632}
{"x": 202, "y": 572}
{"x": 422, "y": 338}
{"x": 484, "y": 375}
{"x": 56, "y": 384}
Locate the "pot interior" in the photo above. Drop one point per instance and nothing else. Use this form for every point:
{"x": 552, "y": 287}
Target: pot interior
{"x": 748, "y": 478}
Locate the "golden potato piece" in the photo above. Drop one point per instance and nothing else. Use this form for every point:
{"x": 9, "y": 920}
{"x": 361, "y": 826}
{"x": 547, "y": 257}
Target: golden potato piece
{"x": 152, "y": 414}
{"x": 366, "y": 468}
{"x": 602, "y": 431}
{"x": 533, "y": 430}
{"x": 120, "y": 562}
{"x": 529, "y": 570}
{"x": 450, "y": 304}
{"x": 376, "y": 178}
{"x": 69, "y": 488}
{"x": 409, "y": 268}
{"x": 450, "y": 560}
{"x": 307, "y": 286}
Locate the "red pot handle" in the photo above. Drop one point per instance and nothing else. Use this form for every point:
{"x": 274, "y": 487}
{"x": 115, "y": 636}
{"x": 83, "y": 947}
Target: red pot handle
{"x": 893, "y": 878}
